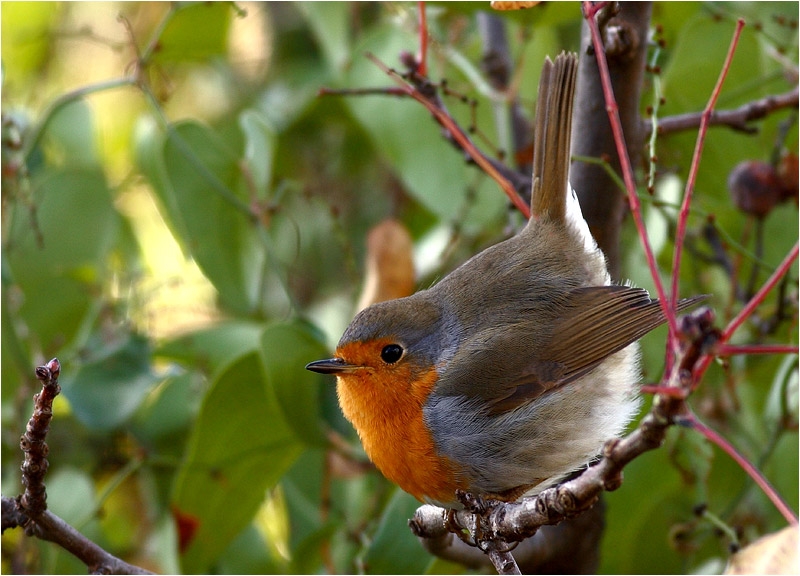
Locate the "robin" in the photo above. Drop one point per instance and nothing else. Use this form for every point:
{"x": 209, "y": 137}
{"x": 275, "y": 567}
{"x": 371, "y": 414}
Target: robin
{"x": 514, "y": 369}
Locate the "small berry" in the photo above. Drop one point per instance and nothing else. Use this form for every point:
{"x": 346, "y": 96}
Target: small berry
{"x": 754, "y": 187}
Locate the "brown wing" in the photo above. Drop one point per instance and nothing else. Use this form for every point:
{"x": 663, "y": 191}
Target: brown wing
{"x": 516, "y": 364}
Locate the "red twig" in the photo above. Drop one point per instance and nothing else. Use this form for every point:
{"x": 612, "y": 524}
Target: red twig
{"x": 705, "y": 120}
{"x": 692, "y": 422}
{"x": 458, "y": 135}
{"x": 422, "y": 68}
{"x": 773, "y": 280}
{"x": 590, "y": 11}
{"x": 729, "y": 350}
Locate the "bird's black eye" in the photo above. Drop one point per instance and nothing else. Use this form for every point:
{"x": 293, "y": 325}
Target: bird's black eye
{"x": 391, "y": 353}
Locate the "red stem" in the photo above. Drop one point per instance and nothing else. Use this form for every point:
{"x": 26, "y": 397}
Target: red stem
{"x": 705, "y": 120}
{"x": 751, "y": 470}
{"x": 422, "y": 69}
{"x": 625, "y": 164}
{"x": 729, "y": 350}
{"x": 459, "y": 136}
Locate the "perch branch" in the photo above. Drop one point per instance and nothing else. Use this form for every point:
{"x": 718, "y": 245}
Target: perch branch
{"x": 512, "y": 522}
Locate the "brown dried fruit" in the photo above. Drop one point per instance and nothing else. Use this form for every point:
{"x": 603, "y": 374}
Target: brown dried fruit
{"x": 755, "y": 187}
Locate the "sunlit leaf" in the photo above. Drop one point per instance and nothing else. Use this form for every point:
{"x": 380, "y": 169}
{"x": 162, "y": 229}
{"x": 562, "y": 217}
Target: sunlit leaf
{"x": 197, "y": 31}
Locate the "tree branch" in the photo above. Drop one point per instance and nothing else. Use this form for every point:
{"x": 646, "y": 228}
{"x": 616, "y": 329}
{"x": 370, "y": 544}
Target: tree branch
{"x": 29, "y": 510}
{"x": 736, "y": 119}
{"x": 602, "y": 202}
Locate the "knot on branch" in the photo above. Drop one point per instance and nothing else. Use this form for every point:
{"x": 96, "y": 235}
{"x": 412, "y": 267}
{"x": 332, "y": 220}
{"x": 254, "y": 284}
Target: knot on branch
{"x": 621, "y": 41}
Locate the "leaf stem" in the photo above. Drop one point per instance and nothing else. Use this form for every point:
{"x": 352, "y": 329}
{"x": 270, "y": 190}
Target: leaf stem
{"x": 56, "y": 105}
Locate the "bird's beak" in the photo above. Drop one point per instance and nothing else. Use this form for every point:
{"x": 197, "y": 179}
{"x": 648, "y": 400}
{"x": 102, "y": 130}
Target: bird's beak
{"x": 331, "y": 366}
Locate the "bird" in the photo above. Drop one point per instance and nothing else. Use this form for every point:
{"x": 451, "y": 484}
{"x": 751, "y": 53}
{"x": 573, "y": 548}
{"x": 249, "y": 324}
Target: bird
{"x": 514, "y": 369}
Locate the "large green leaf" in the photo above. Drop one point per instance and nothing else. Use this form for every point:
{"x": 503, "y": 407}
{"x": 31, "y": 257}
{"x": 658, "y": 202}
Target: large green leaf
{"x": 198, "y": 191}
{"x": 210, "y": 348}
{"x": 285, "y": 350}
{"x": 240, "y": 446}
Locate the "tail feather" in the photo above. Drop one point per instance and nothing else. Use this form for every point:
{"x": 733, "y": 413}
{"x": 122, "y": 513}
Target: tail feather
{"x": 552, "y": 137}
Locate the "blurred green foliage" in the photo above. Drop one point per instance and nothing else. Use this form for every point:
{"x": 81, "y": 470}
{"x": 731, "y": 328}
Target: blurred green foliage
{"x": 183, "y": 227}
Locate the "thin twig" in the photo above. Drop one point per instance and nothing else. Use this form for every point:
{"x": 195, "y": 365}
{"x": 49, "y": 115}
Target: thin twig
{"x": 33, "y": 501}
{"x": 754, "y": 302}
{"x": 693, "y": 422}
{"x": 422, "y": 59}
{"x": 458, "y": 135}
{"x": 29, "y": 510}
{"x": 736, "y": 119}
{"x": 730, "y": 350}
{"x": 683, "y": 215}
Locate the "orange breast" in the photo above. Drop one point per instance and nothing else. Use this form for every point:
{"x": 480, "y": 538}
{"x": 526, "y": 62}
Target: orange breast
{"x": 385, "y": 406}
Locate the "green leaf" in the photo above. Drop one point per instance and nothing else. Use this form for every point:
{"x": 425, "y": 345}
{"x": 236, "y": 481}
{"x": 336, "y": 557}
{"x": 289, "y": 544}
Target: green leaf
{"x": 197, "y": 31}
{"x": 285, "y": 350}
{"x": 636, "y": 537}
{"x": 167, "y": 413}
{"x": 70, "y": 139}
{"x": 108, "y": 389}
{"x": 302, "y": 489}
{"x": 259, "y": 150}
{"x": 404, "y": 132}
{"x": 330, "y": 22}
{"x": 149, "y": 153}
{"x": 240, "y": 446}
{"x": 249, "y": 554}
{"x": 395, "y": 549}
{"x": 60, "y": 280}
{"x": 211, "y": 348}
{"x": 782, "y": 403}
{"x": 70, "y": 493}
{"x": 203, "y": 175}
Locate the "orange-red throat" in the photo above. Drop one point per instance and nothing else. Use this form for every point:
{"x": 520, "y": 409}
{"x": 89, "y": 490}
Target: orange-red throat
{"x": 384, "y": 404}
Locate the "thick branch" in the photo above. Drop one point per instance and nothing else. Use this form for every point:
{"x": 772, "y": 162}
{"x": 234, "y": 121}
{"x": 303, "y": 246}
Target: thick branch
{"x": 602, "y": 202}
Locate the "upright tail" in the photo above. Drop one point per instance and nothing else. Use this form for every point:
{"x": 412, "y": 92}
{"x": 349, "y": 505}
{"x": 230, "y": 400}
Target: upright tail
{"x": 552, "y": 137}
